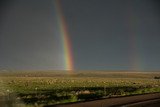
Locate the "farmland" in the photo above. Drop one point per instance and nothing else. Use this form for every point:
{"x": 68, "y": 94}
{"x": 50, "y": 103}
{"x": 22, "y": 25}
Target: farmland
{"x": 40, "y": 88}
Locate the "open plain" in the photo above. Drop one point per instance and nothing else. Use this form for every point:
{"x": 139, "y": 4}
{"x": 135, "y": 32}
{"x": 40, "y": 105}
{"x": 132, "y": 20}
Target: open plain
{"x": 44, "y": 88}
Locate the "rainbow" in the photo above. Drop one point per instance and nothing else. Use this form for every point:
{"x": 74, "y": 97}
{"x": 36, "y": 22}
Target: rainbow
{"x": 136, "y": 63}
{"x": 67, "y": 47}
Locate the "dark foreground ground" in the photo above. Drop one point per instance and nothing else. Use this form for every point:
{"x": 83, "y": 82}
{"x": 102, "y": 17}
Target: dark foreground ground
{"x": 147, "y": 100}
{"x": 148, "y": 103}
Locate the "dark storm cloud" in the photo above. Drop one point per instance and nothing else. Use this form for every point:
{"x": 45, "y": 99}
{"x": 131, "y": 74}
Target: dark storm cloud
{"x": 105, "y": 34}
{"x": 27, "y": 39}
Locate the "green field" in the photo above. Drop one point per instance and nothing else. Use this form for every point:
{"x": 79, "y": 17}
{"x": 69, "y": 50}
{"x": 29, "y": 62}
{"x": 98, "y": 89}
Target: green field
{"x": 40, "y": 88}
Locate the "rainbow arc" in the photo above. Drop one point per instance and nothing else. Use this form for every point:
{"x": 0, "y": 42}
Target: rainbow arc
{"x": 67, "y": 47}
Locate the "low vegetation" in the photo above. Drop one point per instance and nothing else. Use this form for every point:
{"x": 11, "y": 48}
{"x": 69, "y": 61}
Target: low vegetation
{"x": 157, "y": 77}
{"x": 47, "y": 88}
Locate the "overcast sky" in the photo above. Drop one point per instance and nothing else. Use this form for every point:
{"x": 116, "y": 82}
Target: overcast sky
{"x": 105, "y": 34}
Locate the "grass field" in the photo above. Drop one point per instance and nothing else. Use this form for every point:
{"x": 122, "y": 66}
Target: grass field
{"x": 40, "y": 88}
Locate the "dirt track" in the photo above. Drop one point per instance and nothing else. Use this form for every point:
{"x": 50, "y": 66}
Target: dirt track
{"x": 147, "y": 100}
{"x": 148, "y": 103}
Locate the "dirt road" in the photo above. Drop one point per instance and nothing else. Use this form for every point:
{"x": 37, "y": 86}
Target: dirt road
{"x": 148, "y": 103}
{"x": 147, "y": 100}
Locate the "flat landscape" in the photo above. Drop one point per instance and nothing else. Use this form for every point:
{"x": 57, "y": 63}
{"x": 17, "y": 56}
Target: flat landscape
{"x": 41, "y": 88}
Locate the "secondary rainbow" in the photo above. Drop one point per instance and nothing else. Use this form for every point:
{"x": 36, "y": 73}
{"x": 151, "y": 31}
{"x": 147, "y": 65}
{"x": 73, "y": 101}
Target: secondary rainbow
{"x": 67, "y": 47}
{"x": 133, "y": 21}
